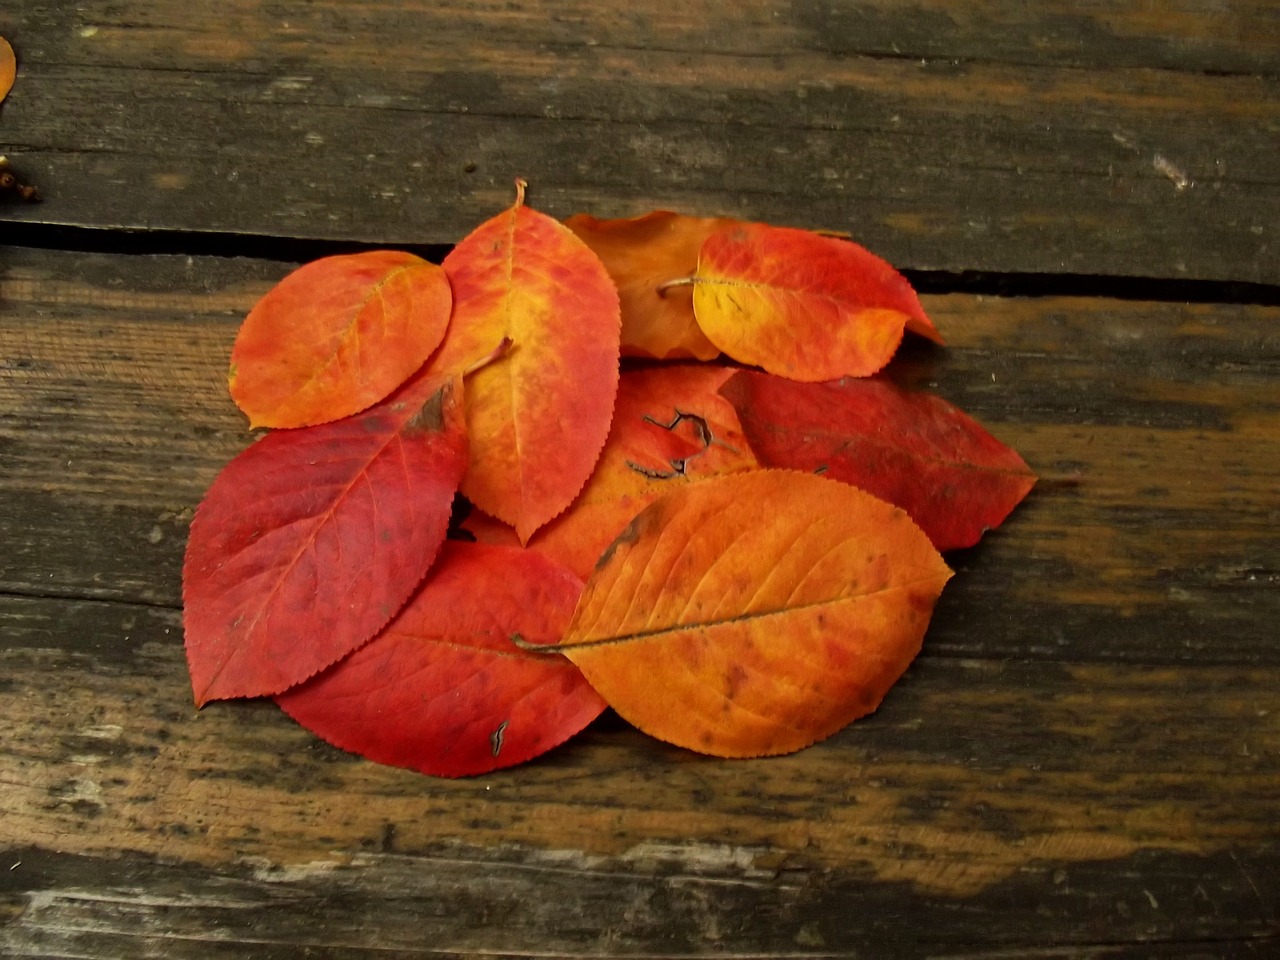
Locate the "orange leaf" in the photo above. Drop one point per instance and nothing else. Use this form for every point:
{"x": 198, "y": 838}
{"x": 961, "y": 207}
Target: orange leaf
{"x": 757, "y": 613}
{"x": 670, "y": 427}
{"x": 538, "y": 415}
{"x": 8, "y": 68}
{"x": 800, "y": 305}
{"x": 642, "y": 254}
{"x": 310, "y": 540}
{"x": 443, "y": 689}
{"x": 336, "y": 336}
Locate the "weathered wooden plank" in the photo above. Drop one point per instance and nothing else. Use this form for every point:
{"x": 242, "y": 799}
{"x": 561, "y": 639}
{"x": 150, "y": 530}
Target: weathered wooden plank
{"x": 933, "y": 133}
{"x": 1151, "y": 539}
{"x": 387, "y": 905}
{"x": 1184, "y": 36}
{"x": 1006, "y": 803}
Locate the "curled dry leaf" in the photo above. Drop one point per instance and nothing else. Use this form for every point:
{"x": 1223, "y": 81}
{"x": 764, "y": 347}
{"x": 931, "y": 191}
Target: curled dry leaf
{"x": 442, "y": 689}
{"x": 670, "y": 427}
{"x": 800, "y": 305}
{"x": 757, "y": 613}
{"x": 642, "y": 255}
{"x": 8, "y": 68}
{"x": 336, "y": 336}
{"x": 538, "y": 416}
{"x": 909, "y": 447}
{"x": 310, "y": 540}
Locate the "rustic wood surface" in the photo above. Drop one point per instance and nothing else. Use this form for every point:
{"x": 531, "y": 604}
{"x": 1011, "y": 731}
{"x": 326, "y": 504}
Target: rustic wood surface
{"x": 1088, "y": 751}
{"x": 1083, "y": 763}
{"x": 1135, "y": 139}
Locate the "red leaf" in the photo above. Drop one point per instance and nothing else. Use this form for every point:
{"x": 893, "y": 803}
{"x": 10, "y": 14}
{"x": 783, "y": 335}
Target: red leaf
{"x": 310, "y": 540}
{"x": 443, "y": 689}
{"x": 911, "y": 448}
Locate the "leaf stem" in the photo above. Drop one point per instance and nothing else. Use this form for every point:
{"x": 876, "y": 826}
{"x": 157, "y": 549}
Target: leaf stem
{"x": 543, "y": 649}
{"x": 503, "y": 347}
{"x": 688, "y": 281}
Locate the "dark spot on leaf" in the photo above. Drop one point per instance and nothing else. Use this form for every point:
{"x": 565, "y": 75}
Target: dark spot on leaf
{"x": 678, "y": 466}
{"x": 630, "y": 534}
{"x": 430, "y": 417}
{"x": 495, "y": 738}
{"x": 676, "y": 471}
{"x": 735, "y": 680}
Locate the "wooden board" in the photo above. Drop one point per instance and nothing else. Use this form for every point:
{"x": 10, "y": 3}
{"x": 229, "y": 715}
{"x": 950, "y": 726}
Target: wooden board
{"x": 1116, "y": 140}
{"x": 1082, "y": 762}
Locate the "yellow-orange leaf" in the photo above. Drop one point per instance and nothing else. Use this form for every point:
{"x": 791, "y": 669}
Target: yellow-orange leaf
{"x": 8, "y": 68}
{"x": 756, "y": 613}
{"x": 643, "y": 254}
{"x": 336, "y": 336}
{"x": 538, "y": 415}
{"x": 800, "y": 305}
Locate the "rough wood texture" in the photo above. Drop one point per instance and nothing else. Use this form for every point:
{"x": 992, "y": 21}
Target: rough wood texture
{"x": 1082, "y": 763}
{"x": 1135, "y": 140}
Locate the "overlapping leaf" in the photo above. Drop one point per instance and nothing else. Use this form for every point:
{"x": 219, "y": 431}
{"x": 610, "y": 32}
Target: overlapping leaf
{"x": 909, "y": 447}
{"x": 670, "y": 427}
{"x": 642, "y": 255}
{"x": 756, "y": 613}
{"x": 336, "y": 336}
{"x": 443, "y": 689}
{"x": 538, "y": 416}
{"x": 8, "y": 68}
{"x": 801, "y": 305}
{"x": 310, "y": 540}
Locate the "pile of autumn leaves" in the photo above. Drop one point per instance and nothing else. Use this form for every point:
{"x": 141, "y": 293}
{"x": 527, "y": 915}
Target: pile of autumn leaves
{"x": 759, "y": 549}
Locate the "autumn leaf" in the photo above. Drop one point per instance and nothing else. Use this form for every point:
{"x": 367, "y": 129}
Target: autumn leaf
{"x": 8, "y": 68}
{"x": 538, "y": 416}
{"x": 642, "y": 254}
{"x": 310, "y": 540}
{"x": 670, "y": 427}
{"x": 800, "y": 305}
{"x": 908, "y": 447}
{"x": 756, "y": 613}
{"x": 442, "y": 689}
{"x": 336, "y": 336}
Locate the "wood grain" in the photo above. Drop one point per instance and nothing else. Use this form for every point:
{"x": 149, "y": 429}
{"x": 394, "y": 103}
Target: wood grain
{"x": 1116, "y": 140}
{"x": 1081, "y": 764}
{"x": 992, "y": 788}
